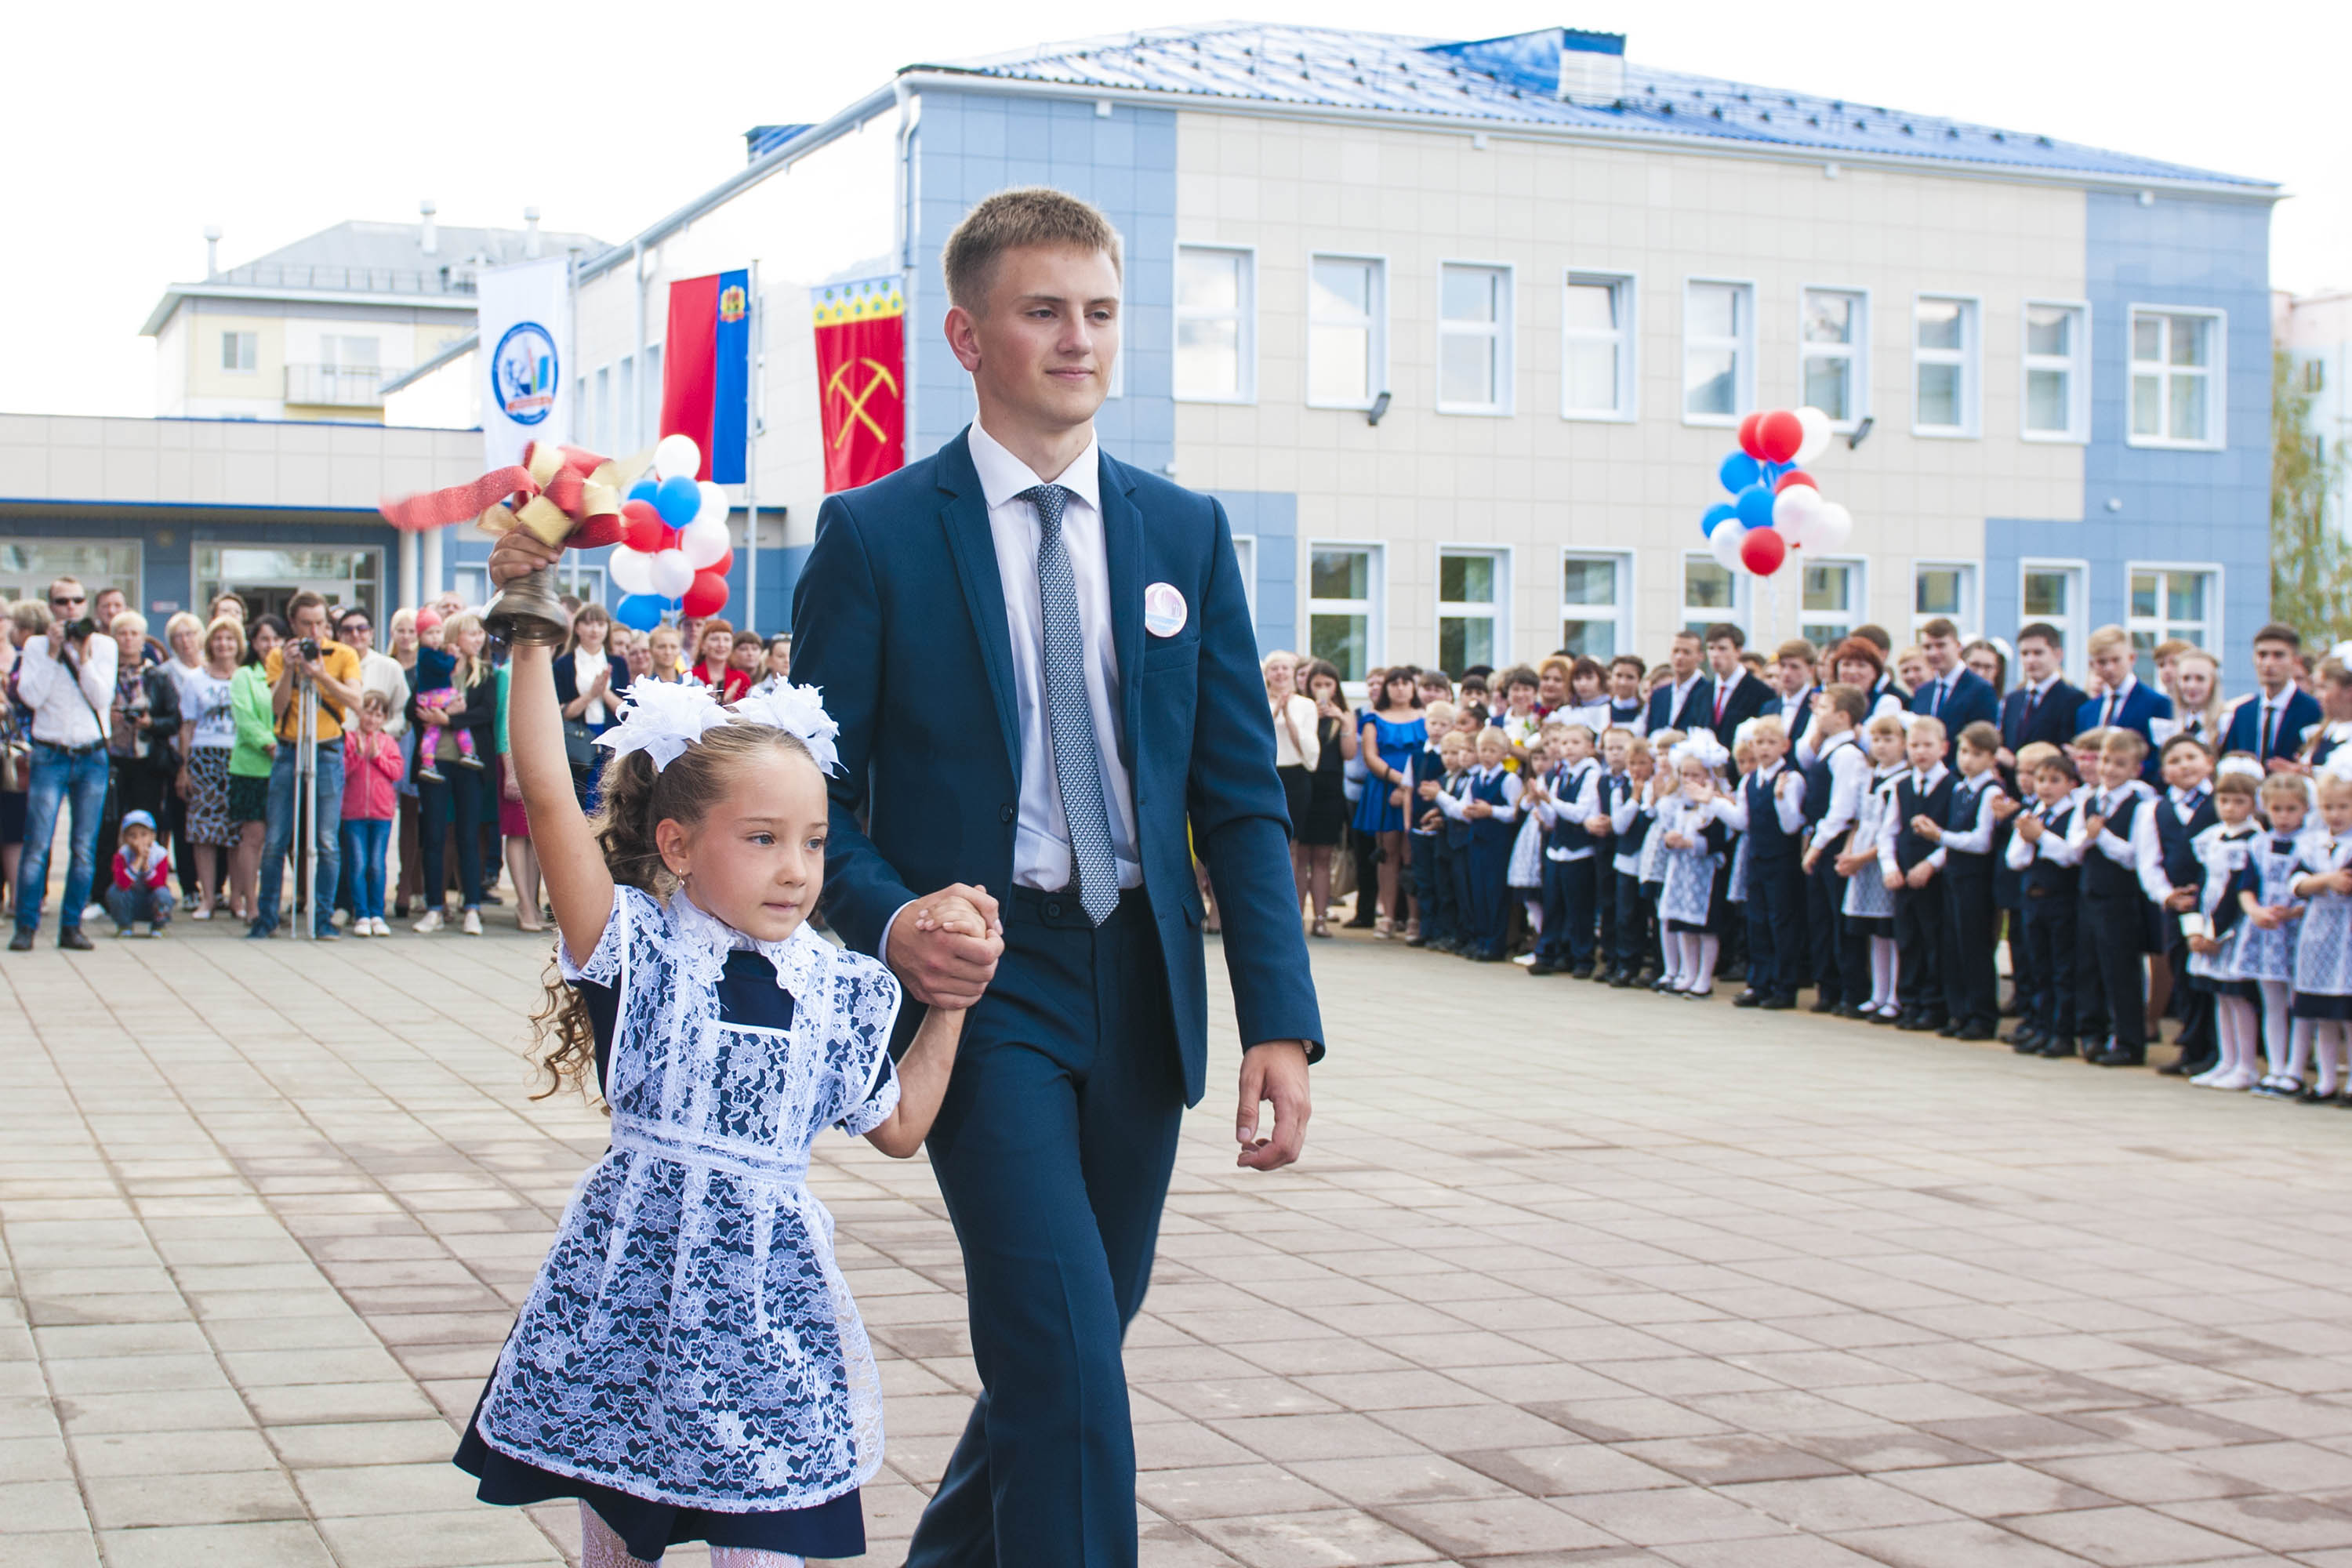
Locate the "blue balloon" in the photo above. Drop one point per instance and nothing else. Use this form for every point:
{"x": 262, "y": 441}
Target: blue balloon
{"x": 643, "y": 491}
{"x": 639, "y": 612}
{"x": 1739, "y": 471}
{"x": 1755, "y": 505}
{"x": 1721, "y": 512}
{"x": 677, "y": 501}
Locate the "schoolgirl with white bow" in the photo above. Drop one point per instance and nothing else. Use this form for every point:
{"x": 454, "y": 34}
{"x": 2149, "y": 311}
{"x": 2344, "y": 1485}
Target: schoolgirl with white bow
{"x": 689, "y": 1364}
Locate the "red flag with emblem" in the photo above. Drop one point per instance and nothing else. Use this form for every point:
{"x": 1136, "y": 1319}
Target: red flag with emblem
{"x": 861, "y": 378}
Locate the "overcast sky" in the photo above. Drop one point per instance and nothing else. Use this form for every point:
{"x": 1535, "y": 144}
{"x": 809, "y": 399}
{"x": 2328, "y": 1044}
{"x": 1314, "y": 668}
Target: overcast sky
{"x": 129, "y": 128}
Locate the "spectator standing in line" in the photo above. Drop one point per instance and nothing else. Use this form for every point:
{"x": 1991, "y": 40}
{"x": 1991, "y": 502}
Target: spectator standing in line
{"x": 404, "y": 644}
{"x": 185, "y": 636}
{"x": 67, "y": 678}
{"x": 590, "y": 678}
{"x": 379, "y": 673}
{"x": 143, "y": 730}
{"x": 514, "y": 821}
{"x": 455, "y": 796}
{"x": 207, "y": 743}
{"x": 310, "y": 661}
{"x": 28, "y": 619}
{"x": 1327, "y": 804}
{"x": 249, "y": 762}
{"x": 776, "y": 668}
{"x": 371, "y": 768}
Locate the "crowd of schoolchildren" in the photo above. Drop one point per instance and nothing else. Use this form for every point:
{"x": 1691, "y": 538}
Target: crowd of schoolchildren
{"x": 1873, "y": 826}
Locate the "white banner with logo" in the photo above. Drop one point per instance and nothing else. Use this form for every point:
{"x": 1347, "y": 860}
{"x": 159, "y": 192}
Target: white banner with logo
{"x": 525, "y": 321}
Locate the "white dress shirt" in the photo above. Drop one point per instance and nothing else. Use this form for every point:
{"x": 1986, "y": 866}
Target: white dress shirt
{"x": 60, "y": 716}
{"x": 1788, "y": 806}
{"x": 1976, "y": 839}
{"x": 1895, "y": 822}
{"x": 1297, "y": 744}
{"x": 1041, "y": 842}
{"x": 2052, "y": 846}
{"x": 1849, "y": 781}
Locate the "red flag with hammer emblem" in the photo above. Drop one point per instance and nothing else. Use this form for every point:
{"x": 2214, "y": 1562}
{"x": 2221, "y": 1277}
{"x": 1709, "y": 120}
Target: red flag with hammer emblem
{"x": 861, "y": 378}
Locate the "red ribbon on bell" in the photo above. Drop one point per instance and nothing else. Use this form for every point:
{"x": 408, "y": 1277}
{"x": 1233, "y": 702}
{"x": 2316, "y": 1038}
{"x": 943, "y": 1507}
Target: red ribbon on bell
{"x": 565, "y": 495}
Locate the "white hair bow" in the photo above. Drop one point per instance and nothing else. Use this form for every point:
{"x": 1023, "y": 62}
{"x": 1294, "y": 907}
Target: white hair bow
{"x": 2244, "y": 767}
{"x": 797, "y": 710}
{"x": 1701, "y": 747}
{"x": 662, "y": 718}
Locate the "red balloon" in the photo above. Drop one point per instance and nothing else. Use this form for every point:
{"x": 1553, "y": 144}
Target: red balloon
{"x": 1794, "y": 477}
{"x": 641, "y": 526}
{"x": 1748, "y": 442}
{"x": 1778, "y": 435}
{"x": 707, "y": 595}
{"x": 719, "y": 567}
{"x": 1763, "y": 551}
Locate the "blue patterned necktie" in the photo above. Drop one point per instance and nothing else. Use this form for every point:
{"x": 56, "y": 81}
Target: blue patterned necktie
{"x": 1077, "y": 762}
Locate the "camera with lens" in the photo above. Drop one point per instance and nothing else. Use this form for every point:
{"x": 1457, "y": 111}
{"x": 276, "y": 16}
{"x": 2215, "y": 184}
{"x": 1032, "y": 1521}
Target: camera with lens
{"x": 307, "y": 648}
{"x": 85, "y": 628}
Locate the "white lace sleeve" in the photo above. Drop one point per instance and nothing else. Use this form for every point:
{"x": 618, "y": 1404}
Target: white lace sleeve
{"x": 867, "y": 1008}
{"x": 630, "y": 907}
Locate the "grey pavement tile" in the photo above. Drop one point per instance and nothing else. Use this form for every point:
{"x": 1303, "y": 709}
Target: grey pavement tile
{"x": 1330, "y": 1537}
{"x": 225, "y": 1497}
{"x": 287, "y": 1544}
{"x": 2117, "y": 1537}
{"x": 1965, "y": 1543}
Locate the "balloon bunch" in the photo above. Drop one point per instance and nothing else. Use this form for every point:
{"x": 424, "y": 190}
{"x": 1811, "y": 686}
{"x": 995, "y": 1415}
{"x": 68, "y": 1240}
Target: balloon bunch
{"x": 1776, "y": 506}
{"x": 674, "y": 551}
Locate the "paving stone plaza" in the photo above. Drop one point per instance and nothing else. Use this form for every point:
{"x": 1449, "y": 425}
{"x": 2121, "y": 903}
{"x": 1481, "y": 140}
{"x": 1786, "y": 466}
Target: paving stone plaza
{"x": 1569, "y": 1275}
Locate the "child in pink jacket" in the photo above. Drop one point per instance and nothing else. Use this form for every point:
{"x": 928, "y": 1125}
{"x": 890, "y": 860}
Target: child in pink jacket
{"x": 372, "y": 770}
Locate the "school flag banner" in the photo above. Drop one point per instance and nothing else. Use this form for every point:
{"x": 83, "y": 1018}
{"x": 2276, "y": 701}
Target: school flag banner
{"x": 706, "y": 370}
{"x": 861, "y": 378}
{"x": 524, "y": 313}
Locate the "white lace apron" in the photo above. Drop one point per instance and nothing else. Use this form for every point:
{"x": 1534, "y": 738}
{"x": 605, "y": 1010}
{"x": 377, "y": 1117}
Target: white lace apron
{"x": 689, "y": 1339}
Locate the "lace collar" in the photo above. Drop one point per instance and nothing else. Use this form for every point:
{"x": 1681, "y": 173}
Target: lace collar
{"x": 796, "y": 960}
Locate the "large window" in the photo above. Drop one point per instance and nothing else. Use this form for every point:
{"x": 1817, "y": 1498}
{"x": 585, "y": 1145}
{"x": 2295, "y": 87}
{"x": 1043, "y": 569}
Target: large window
{"x": 240, "y": 351}
{"x": 2175, "y": 393}
{"x": 1718, "y": 352}
{"x": 1215, "y": 354}
{"x": 1946, "y": 588}
{"x": 267, "y": 577}
{"x": 1343, "y": 585}
{"x": 1832, "y": 601}
{"x": 1347, "y": 331}
{"x": 1834, "y": 342}
{"x": 2169, "y": 602}
{"x": 1474, "y": 339}
{"x": 1594, "y": 593}
{"x": 27, "y": 567}
{"x": 1943, "y": 366}
{"x": 2057, "y": 372}
{"x": 342, "y": 353}
{"x": 2052, "y": 591}
{"x": 1597, "y": 347}
{"x": 1710, "y": 594}
{"x": 1474, "y": 597}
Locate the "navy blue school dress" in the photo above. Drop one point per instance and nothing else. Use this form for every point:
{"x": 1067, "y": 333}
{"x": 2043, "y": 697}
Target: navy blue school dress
{"x": 1399, "y": 744}
{"x": 689, "y": 1363}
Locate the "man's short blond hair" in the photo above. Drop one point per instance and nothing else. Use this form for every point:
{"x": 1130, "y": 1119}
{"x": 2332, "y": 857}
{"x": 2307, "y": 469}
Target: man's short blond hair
{"x": 1010, "y": 220}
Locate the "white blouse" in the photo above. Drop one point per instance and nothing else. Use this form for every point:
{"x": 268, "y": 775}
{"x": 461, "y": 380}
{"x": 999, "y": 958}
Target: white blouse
{"x": 1296, "y": 742}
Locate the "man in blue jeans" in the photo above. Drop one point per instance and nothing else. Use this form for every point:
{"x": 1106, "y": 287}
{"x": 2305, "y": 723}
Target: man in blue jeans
{"x": 67, "y": 678}
{"x": 333, "y": 670}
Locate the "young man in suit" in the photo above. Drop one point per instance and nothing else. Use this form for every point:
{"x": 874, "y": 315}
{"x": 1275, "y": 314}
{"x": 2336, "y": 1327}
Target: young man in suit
{"x": 2271, "y": 723}
{"x": 2124, "y": 702}
{"x": 1954, "y": 694}
{"x": 1736, "y": 696}
{"x": 2043, "y": 707}
{"x": 1084, "y": 624}
{"x": 1677, "y": 704}
{"x": 1793, "y": 680}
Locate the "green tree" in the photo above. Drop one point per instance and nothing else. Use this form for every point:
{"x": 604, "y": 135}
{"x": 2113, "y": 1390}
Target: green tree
{"x": 2310, "y": 563}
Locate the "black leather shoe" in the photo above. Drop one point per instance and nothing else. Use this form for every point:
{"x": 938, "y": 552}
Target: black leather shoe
{"x": 1915, "y": 1024}
{"x": 2123, "y": 1057}
{"x": 1850, "y": 1010}
{"x": 1581, "y": 972}
{"x": 1979, "y": 1030}
{"x": 1540, "y": 967}
{"x": 2057, "y": 1046}
{"x": 1950, "y": 1028}
{"x": 2027, "y": 1042}
{"x": 22, "y": 942}
{"x": 72, "y": 940}
{"x": 1778, "y": 1005}
{"x": 1748, "y": 999}
{"x": 1823, "y": 1004}
{"x": 1623, "y": 979}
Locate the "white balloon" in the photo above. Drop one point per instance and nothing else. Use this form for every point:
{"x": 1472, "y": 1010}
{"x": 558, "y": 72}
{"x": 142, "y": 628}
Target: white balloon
{"x": 675, "y": 454}
{"x": 714, "y": 502}
{"x": 1830, "y": 528}
{"x": 1724, "y": 542}
{"x": 704, "y": 541}
{"x": 631, "y": 569}
{"x": 1817, "y": 433}
{"x": 673, "y": 573}
{"x": 1793, "y": 511}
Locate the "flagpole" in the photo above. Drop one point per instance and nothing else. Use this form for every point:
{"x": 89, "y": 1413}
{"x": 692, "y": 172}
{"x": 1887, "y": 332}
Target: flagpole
{"x": 751, "y": 461}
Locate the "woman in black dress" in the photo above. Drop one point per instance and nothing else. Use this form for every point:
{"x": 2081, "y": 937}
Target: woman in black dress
{"x": 1327, "y": 801}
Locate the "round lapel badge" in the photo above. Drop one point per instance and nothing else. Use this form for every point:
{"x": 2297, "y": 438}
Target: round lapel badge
{"x": 1163, "y": 610}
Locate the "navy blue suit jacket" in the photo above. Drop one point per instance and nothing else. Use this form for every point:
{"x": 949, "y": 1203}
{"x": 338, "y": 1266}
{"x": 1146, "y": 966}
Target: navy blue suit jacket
{"x": 2140, "y": 705}
{"x": 1698, "y": 707}
{"x": 2243, "y": 732}
{"x": 1748, "y": 697}
{"x": 2053, "y": 721}
{"x": 1971, "y": 701}
{"x": 900, "y": 616}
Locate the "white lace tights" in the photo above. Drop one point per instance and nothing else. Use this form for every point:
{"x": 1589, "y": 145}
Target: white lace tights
{"x": 600, "y": 1548}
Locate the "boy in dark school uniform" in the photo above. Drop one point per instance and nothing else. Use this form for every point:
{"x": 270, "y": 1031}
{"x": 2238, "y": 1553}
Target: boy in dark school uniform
{"x": 1965, "y": 836}
{"x": 1909, "y": 860}
{"x": 1449, "y": 841}
{"x": 2112, "y": 927}
{"x": 1425, "y": 829}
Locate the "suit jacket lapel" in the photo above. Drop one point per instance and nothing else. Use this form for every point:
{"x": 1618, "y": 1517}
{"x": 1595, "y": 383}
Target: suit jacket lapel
{"x": 1123, "y": 555}
{"x": 964, "y": 518}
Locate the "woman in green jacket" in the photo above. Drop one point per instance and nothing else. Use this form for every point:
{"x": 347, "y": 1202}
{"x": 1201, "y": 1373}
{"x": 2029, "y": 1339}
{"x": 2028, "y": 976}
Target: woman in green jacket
{"x": 248, "y": 764}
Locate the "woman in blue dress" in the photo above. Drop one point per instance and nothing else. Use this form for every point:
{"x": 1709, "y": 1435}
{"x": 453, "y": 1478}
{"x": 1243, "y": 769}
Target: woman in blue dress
{"x": 1394, "y": 733}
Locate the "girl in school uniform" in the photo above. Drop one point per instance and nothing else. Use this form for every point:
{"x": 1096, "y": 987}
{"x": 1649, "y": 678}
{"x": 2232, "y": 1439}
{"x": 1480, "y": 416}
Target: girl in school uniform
{"x": 2264, "y": 889}
{"x": 2323, "y": 949}
{"x": 689, "y": 1364}
{"x": 1650, "y": 870}
{"x": 2214, "y": 929}
{"x": 1697, "y": 846}
{"x": 1869, "y": 907}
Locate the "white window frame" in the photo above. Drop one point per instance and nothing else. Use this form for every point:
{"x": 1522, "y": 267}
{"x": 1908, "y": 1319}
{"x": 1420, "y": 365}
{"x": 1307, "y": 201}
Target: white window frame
{"x": 243, "y": 340}
{"x": 1741, "y": 599}
{"x": 2076, "y": 625}
{"x": 1856, "y": 354}
{"x": 1857, "y": 610}
{"x": 2076, "y": 364}
{"x": 1627, "y": 337}
{"x": 2162, "y": 626}
{"x": 1743, "y": 345}
{"x": 1376, "y": 372}
{"x": 2216, "y": 374}
{"x": 1619, "y": 615}
{"x": 1373, "y": 609}
{"x": 1498, "y": 612}
{"x": 1245, "y": 313}
{"x": 1969, "y": 357}
{"x": 1969, "y": 616}
{"x": 1246, "y": 561}
{"x": 1503, "y": 330}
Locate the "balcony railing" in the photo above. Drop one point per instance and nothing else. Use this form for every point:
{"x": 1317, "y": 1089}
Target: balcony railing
{"x": 335, "y": 385}
{"x": 352, "y": 279}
